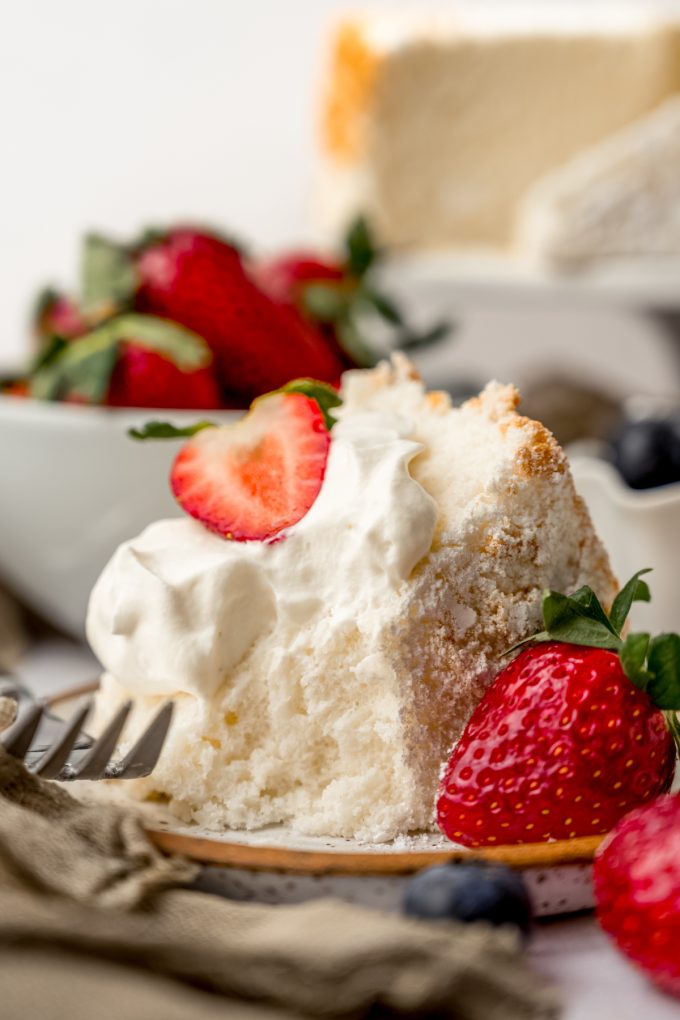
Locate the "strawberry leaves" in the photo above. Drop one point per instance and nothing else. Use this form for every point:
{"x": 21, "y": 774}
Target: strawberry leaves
{"x": 576, "y": 620}
{"x": 344, "y": 304}
{"x": 109, "y": 278}
{"x": 360, "y": 248}
{"x": 84, "y": 369}
{"x": 652, "y": 664}
{"x": 327, "y": 397}
{"x": 166, "y": 430}
{"x": 634, "y": 591}
{"x": 633, "y": 655}
{"x": 79, "y": 370}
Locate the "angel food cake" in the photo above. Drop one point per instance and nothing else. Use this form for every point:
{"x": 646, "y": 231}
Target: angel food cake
{"x": 438, "y": 126}
{"x": 323, "y": 669}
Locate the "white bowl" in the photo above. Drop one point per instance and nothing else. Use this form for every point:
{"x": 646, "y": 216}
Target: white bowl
{"x": 640, "y": 528}
{"x": 73, "y": 487}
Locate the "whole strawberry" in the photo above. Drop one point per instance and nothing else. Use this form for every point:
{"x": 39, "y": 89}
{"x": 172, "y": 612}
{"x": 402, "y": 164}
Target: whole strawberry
{"x": 198, "y": 280}
{"x": 571, "y": 735}
{"x": 130, "y": 360}
{"x": 637, "y": 889}
{"x": 145, "y": 378}
{"x": 298, "y": 315}
{"x": 285, "y": 277}
{"x": 57, "y": 315}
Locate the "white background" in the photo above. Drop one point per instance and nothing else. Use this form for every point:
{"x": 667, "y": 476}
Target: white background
{"x": 115, "y": 116}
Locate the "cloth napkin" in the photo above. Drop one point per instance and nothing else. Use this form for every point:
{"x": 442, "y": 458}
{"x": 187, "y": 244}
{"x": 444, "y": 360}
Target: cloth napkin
{"x": 96, "y": 924}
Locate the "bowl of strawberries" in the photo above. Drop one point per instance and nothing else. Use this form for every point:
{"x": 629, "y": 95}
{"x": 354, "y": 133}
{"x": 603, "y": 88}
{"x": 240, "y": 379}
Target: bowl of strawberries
{"x": 178, "y": 321}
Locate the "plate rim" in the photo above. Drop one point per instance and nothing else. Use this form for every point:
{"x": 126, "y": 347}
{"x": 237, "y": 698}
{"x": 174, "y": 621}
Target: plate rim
{"x": 272, "y": 858}
{"x": 269, "y": 857}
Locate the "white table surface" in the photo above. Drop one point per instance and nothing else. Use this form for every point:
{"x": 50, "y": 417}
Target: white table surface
{"x": 593, "y": 980}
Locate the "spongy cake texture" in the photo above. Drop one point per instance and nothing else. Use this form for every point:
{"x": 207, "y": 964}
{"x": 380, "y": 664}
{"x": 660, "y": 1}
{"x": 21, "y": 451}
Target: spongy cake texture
{"x": 338, "y": 716}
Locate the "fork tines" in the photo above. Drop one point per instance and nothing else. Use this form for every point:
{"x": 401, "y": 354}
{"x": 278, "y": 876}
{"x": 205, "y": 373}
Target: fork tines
{"x": 64, "y": 761}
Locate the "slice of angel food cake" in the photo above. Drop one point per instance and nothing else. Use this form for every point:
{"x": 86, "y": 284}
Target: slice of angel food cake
{"x": 335, "y": 605}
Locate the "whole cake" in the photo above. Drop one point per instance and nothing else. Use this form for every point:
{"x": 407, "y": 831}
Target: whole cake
{"x": 323, "y": 674}
{"x": 617, "y": 198}
{"x": 436, "y": 127}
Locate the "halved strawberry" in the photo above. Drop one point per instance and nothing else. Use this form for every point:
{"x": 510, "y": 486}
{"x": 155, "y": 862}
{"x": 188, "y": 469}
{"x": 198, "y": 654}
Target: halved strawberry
{"x": 250, "y": 480}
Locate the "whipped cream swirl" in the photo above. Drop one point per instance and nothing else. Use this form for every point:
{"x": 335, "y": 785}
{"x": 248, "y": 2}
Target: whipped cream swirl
{"x": 178, "y": 608}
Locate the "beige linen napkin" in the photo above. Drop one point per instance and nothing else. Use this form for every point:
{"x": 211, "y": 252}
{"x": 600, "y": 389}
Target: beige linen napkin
{"x": 94, "y": 924}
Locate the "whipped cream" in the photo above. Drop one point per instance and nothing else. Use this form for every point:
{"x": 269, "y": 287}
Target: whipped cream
{"x": 178, "y": 608}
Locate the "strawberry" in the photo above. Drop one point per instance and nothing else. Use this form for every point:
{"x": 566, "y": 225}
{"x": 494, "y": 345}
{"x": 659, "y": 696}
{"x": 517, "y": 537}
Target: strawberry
{"x": 571, "y": 735}
{"x": 144, "y": 378}
{"x": 637, "y": 889}
{"x": 339, "y": 294}
{"x": 57, "y": 315}
{"x": 129, "y": 361}
{"x": 250, "y": 480}
{"x": 16, "y": 388}
{"x": 266, "y": 323}
{"x": 198, "y": 280}
{"x": 284, "y": 278}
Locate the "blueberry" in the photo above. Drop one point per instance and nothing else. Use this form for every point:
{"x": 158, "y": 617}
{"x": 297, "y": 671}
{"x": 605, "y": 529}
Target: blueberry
{"x": 469, "y": 892}
{"x": 647, "y": 452}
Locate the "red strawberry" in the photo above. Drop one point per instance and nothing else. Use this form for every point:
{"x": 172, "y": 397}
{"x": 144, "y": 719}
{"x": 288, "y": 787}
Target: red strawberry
{"x": 19, "y": 388}
{"x": 561, "y": 745}
{"x": 130, "y": 360}
{"x": 57, "y": 315}
{"x": 252, "y": 479}
{"x": 570, "y": 736}
{"x": 284, "y": 277}
{"x": 637, "y": 889}
{"x": 200, "y": 281}
{"x": 144, "y": 378}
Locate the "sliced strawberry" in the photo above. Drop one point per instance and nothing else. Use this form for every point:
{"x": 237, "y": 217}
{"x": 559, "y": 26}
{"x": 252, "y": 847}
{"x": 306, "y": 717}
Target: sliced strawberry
{"x": 251, "y": 480}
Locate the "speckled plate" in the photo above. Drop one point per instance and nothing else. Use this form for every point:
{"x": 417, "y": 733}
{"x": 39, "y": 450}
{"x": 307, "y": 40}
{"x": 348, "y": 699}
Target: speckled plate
{"x": 276, "y": 865}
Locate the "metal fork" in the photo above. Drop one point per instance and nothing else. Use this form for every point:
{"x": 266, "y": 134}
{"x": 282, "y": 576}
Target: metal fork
{"x": 65, "y": 752}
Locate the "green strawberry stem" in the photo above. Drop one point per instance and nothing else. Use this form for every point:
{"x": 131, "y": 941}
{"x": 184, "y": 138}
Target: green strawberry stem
{"x": 109, "y": 278}
{"x": 85, "y": 367}
{"x": 651, "y": 663}
{"x": 325, "y": 396}
{"x": 344, "y": 304}
{"x": 166, "y": 430}
{"x": 673, "y": 728}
